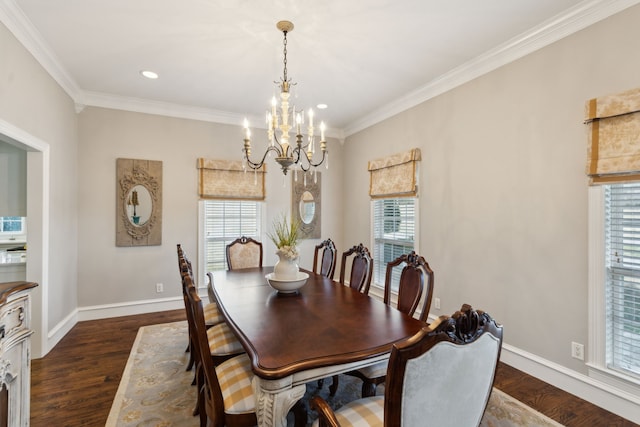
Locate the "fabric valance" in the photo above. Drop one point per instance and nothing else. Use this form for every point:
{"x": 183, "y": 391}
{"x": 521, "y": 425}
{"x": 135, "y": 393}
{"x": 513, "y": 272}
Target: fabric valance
{"x": 395, "y": 175}
{"x": 226, "y": 179}
{"x": 613, "y": 150}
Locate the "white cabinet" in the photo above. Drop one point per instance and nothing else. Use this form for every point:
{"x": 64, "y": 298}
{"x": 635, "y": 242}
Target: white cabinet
{"x": 15, "y": 362}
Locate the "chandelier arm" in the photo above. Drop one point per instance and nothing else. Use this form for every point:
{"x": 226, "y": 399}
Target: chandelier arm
{"x": 315, "y": 165}
{"x": 258, "y": 165}
{"x": 279, "y": 151}
{"x": 302, "y": 154}
{"x": 310, "y": 163}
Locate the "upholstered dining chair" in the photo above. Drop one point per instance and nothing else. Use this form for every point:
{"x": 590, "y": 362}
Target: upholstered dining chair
{"x": 226, "y": 396}
{"x": 411, "y": 290}
{"x": 220, "y": 340}
{"x": 442, "y": 376}
{"x": 244, "y": 252}
{"x": 325, "y": 252}
{"x": 212, "y": 314}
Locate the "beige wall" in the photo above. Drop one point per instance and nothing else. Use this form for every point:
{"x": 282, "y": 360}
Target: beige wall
{"x": 503, "y": 195}
{"x": 113, "y": 275}
{"x": 32, "y": 103}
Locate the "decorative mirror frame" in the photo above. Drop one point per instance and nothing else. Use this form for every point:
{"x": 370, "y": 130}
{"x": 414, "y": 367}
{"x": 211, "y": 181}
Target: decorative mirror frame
{"x": 298, "y": 187}
{"x": 130, "y": 173}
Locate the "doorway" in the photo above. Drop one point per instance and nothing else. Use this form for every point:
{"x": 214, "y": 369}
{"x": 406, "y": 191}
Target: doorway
{"x": 37, "y": 227}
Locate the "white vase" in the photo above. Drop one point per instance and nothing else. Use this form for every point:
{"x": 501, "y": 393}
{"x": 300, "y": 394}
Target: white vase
{"x": 285, "y": 269}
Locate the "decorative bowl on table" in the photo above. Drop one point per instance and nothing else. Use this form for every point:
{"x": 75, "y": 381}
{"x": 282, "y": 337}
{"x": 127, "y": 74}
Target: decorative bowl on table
{"x": 288, "y": 286}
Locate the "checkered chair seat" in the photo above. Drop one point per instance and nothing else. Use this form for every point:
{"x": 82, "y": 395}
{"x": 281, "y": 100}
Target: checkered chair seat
{"x": 222, "y": 341}
{"x": 361, "y": 413}
{"x": 235, "y": 376}
{"x": 212, "y": 315}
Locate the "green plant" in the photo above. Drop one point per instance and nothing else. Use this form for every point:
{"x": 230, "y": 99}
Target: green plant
{"x": 285, "y": 235}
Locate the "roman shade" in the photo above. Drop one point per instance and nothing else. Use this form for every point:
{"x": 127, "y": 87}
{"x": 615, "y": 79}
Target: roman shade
{"x": 226, "y": 179}
{"x": 613, "y": 151}
{"x": 394, "y": 176}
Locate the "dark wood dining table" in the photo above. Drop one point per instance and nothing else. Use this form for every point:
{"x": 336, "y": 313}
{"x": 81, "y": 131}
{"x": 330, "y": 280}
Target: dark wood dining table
{"x": 323, "y": 329}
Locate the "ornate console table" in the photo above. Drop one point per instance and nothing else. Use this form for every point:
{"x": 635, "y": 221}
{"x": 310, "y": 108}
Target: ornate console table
{"x": 15, "y": 364}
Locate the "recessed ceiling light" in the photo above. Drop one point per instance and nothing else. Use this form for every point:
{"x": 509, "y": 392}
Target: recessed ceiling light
{"x": 149, "y": 74}
{"x": 321, "y": 106}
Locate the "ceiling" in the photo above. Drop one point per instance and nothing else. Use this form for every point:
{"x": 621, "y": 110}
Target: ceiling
{"x": 217, "y": 60}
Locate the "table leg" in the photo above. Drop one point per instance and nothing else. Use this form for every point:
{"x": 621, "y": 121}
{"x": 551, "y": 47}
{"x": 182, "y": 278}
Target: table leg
{"x": 274, "y": 400}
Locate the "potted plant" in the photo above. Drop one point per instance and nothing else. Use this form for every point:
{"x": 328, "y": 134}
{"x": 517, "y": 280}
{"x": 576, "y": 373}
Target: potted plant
{"x": 285, "y": 236}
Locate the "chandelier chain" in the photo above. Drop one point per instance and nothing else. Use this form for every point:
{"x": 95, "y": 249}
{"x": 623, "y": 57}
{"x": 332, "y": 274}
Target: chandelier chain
{"x": 285, "y": 56}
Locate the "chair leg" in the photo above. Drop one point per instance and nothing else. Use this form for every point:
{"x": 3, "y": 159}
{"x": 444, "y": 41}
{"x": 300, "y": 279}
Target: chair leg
{"x": 333, "y": 388}
{"x": 191, "y": 359}
{"x": 199, "y": 408}
{"x": 299, "y": 414}
{"x": 368, "y": 389}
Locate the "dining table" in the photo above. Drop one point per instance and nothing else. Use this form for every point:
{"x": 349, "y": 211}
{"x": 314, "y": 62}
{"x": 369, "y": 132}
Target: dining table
{"x": 323, "y": 329}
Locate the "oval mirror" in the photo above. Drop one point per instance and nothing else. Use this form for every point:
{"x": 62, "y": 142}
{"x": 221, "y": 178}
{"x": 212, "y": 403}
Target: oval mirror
{"x": 307, "y": 207}
{"x": 139, "y": 205}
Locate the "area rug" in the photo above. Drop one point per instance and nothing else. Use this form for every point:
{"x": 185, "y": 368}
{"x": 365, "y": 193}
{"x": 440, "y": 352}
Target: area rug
{"x": 156, "y": 390}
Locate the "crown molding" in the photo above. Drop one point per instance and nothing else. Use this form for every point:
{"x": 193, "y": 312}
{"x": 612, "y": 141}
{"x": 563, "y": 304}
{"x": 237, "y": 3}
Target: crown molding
{"x": 571, "y": 21}
{"x": 139, "y": 105}
{"x": 22, "y": 29}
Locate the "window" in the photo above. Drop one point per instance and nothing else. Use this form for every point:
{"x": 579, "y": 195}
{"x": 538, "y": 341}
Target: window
{"x": 12, "y": 225}
{"x": 223, "y": 221}
{"x": 622, "y": 277}
{"x": 394, "y": 231}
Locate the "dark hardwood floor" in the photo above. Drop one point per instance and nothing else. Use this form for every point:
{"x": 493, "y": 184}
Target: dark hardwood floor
{"x": 74, "y": 385}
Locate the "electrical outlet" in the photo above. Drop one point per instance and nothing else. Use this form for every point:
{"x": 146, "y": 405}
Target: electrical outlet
{"x": 159, "y": 287}
{"x": 436, "y": 302}
{"x": 577, "y": 350}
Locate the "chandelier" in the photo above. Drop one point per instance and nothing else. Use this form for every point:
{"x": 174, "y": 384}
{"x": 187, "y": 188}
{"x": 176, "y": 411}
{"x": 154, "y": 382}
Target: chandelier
{"x": 283, "y": 123}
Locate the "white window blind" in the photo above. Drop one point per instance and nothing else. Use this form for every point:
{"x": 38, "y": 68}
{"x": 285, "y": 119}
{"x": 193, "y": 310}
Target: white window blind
{"x": 622, "y": 239}
{"x": 225, "y": 221}
{"x": 394, "y": 230}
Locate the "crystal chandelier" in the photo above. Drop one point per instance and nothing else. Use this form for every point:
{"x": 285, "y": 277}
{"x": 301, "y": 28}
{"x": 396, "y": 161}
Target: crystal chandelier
{"x": 287, "y": 155}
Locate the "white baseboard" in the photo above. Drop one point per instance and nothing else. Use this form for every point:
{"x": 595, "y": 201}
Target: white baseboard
{"x": 106, "y": 311}
{"x": 620, "y": 402}
{"x": 58, "y": 332}
{"x": 129, "y": 308}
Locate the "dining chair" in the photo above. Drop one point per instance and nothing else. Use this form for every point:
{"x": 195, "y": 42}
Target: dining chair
{"x": 244, "y": 252}
{"x": 220, "y": 340}
{"x": 223, "y": 343}
{"x": 213, "y": 316}
{"x": 328, "y": 257}
{"x": 411, "y": 290}
{"x": 226, "y": 397}
{"x": 361, "y": 268}
{"x": 442, "y": 376}
{"x": 359, "y": 279}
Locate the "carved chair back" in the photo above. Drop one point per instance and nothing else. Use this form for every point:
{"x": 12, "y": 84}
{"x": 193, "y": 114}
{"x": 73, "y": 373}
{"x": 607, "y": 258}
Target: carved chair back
{"x": 412, "y": 284}
{"x": 244, "y": 252}
{"x": 361, "y": 268}
{"x": 328, "y": 258}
